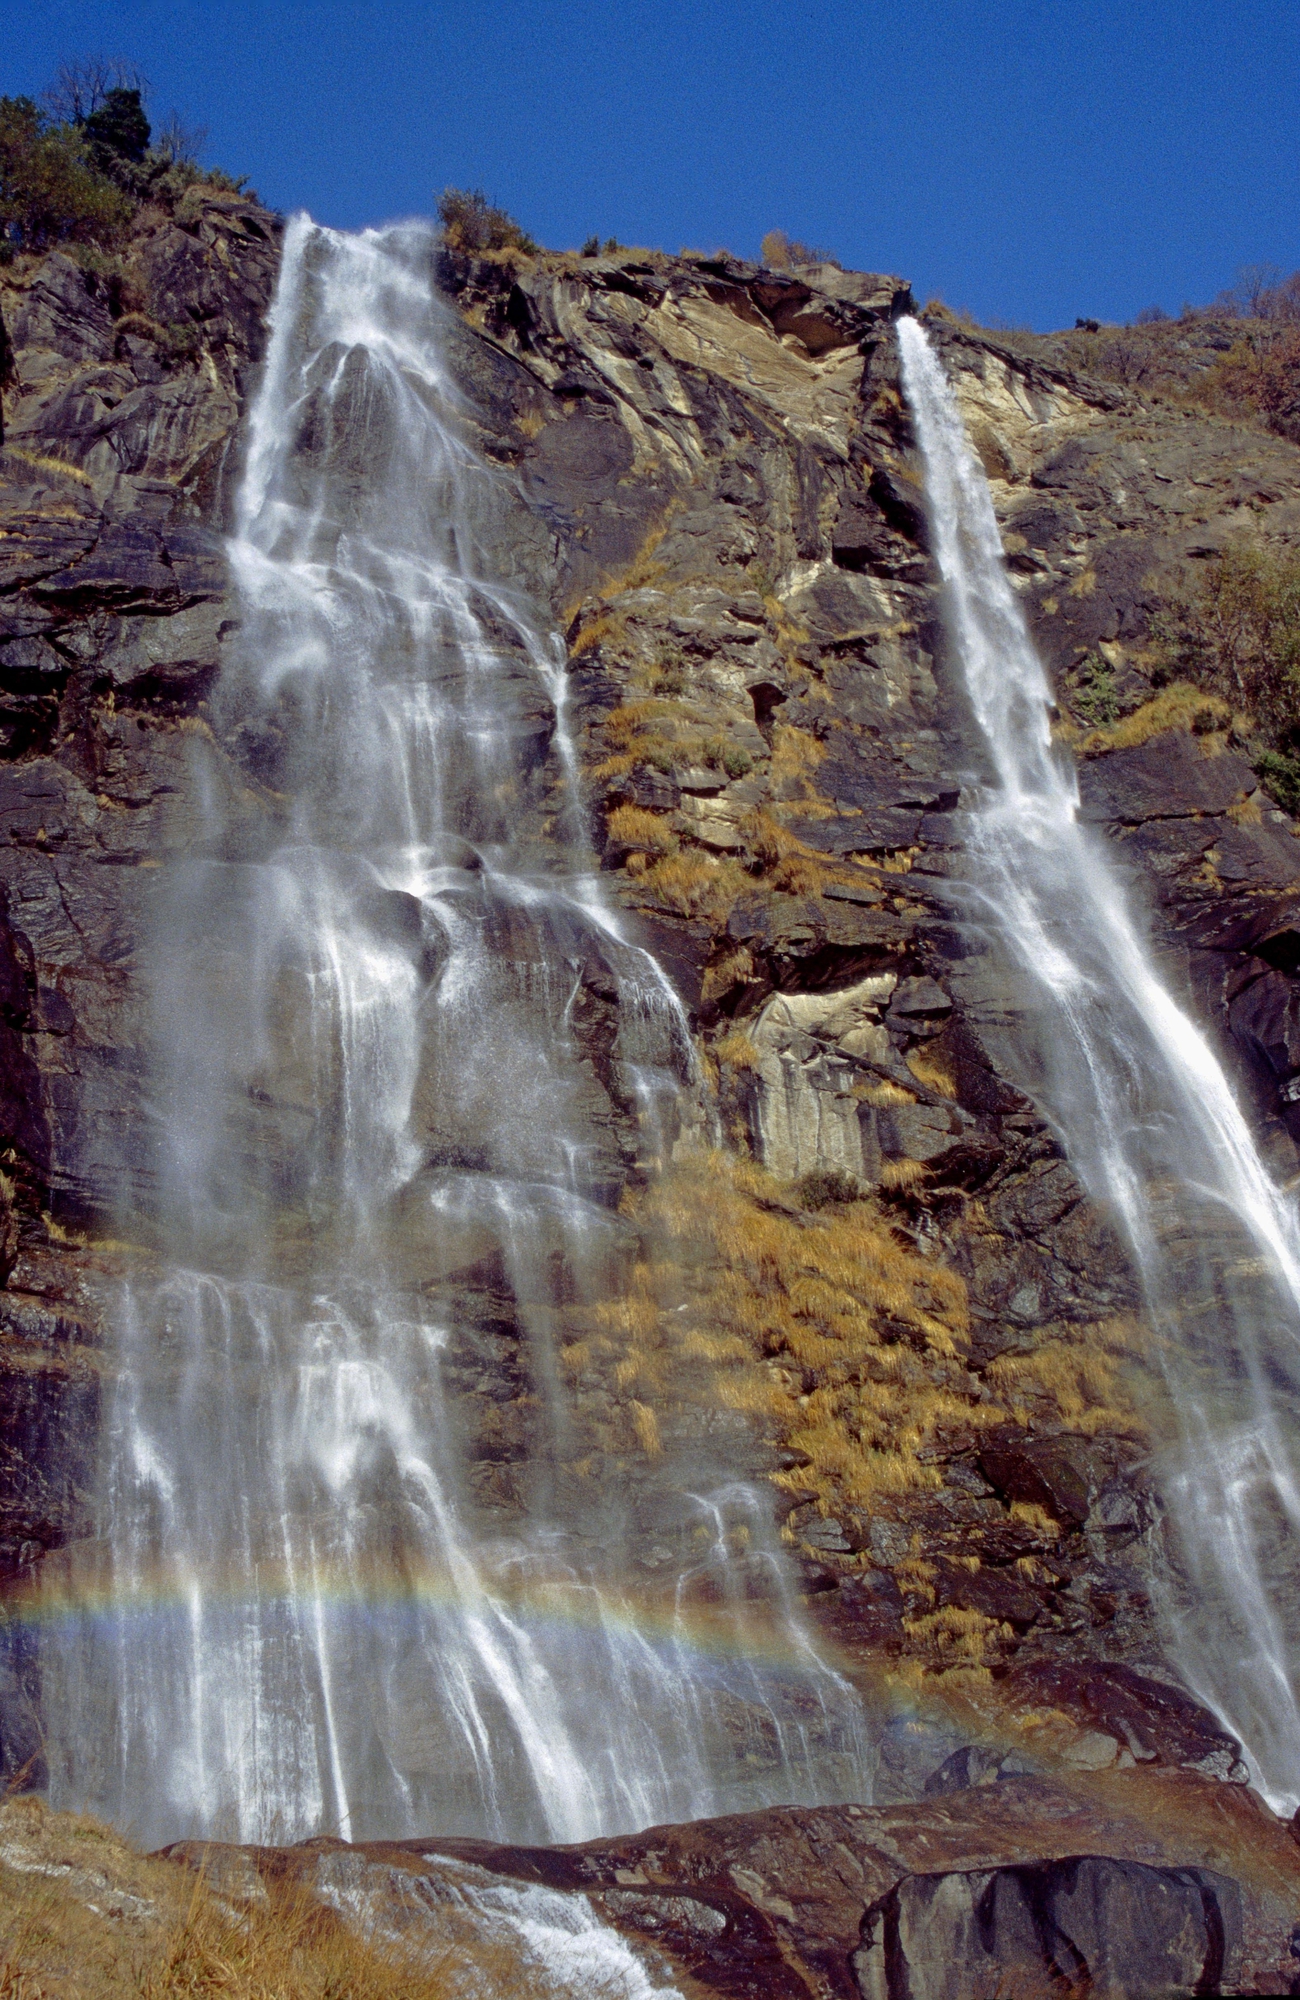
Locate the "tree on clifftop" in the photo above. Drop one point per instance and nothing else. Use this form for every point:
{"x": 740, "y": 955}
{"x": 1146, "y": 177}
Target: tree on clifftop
{"x": 83, "y": 83}
{"x": 118, "y": 130}
{"x": 50, "y": 189}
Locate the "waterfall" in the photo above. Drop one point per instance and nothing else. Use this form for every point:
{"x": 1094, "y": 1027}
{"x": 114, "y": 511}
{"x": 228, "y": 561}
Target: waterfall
{"x": 387, "y": 1142}
{"x": 1149, "y": 1120}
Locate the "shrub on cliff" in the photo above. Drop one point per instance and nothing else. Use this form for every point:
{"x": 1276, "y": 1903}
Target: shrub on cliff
{"x": 93, "y": 116}
{"x": 471, "y": 222}
{"x": 1260, "y": 375}
{"x": 1240, "y": 637}
{"x": 51, "y": 190}
{"x": 785, "y": 253}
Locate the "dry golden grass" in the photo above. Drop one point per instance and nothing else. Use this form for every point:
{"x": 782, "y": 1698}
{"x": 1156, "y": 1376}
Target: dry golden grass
{"x": 697, "y": 885}
{"x": 737, "y": 1051}
{"x": 734, "y": 965}
{"x": 847, "y": 1349}
{"x": 647, "y": 1429}
{"x": 882, "y": 1094}
{"x": 1246, "y": 812}
{"x": 796, "y": 753}
{"x": 1030, "y": 1515}
{"x": 1079, "y": 1377}
{"x": 650, "y": 731}
{"x": 640, "y": 573}
{"x": 645, "y": 831}
{"x": 85, "y": 1917}
{"x": 957, "y": 1638}
{"x": 643, "y": 570}
{"x": 841, "y": 1341}
{"x": 1178, "y": 706}
{"x": 600, "y": 630}
{"x": 626, "y": 724}
{"x": 798, "y": 875}
{"x": 786, "y": 863}
{"x": 931, "y": 1067}
{"x": 43, "y": 462}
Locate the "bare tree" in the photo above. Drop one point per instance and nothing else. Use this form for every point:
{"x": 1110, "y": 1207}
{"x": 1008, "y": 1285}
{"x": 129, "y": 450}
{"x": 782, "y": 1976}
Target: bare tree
{"x": 1126, "y": 358}
{"x": 1255, "y": 283}
{"x": 81, "y": 85}
{"x": 181, "y": 143}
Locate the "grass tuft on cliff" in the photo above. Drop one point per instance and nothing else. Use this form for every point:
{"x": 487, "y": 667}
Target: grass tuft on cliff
{"x": 841, "y": 1341}
{"x": 809, "y": 1310}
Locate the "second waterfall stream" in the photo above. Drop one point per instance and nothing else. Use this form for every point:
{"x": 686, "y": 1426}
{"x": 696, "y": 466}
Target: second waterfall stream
{"x": 1146, "y": 1114}
{"x": 354, "y": 1571}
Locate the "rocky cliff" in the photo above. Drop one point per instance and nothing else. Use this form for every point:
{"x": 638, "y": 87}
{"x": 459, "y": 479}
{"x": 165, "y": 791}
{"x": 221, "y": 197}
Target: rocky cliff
{"x": 884, "y": 1273}
{"x": 777, "y": 761}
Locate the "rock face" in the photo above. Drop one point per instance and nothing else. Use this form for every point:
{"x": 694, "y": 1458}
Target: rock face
{"x": 1015, "y": 1887}
{"x": 121, "y": 409}
{"x": 724, "y": 517}
{"x": 778, "y": 758}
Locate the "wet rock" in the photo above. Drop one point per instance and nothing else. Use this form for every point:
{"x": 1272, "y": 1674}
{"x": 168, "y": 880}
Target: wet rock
{"x": 1153, "y": 1719}
{"x": 1120, "y": 1929}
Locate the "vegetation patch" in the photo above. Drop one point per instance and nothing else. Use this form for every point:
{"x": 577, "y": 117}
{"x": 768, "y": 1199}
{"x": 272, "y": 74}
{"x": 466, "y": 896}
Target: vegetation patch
{"x": 51, "y": 187}
{"x": 1239, "y": 636}
{"x": 74, "y": 171}
{"x": 810, "y": 1308}
{"x": 84, "y": 1917}
{"x": 838, "y": 1338}
{"x": 471, "y": 222}
{"x": 1179, "y": 706}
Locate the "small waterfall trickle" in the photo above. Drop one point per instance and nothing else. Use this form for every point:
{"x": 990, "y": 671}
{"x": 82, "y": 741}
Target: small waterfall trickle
{"x": 1150, "y": 1122}
{"x": 386, "y": 1166}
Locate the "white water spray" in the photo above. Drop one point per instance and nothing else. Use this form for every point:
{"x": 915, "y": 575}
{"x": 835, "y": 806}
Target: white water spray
{"x": 1150, "y": 1121}
{"x": 334, "y": 1590}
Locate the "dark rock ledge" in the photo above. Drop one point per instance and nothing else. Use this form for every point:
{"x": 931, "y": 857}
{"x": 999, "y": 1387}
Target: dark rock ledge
{"x": 1016, "y": 1886}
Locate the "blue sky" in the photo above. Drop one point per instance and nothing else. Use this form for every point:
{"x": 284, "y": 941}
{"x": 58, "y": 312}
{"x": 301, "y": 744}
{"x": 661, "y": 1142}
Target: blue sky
{"x": 1029, "y": 160}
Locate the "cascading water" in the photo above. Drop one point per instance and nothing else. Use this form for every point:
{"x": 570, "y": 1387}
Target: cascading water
{"x": 385, "y": 1169}
{"x": 1147, "y": 1116}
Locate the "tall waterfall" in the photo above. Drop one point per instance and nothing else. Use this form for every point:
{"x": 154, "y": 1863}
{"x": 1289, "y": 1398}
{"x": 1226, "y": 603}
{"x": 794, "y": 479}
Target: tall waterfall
{"x": 386, "y": 1168}
{"x": 1147, "y": 1116}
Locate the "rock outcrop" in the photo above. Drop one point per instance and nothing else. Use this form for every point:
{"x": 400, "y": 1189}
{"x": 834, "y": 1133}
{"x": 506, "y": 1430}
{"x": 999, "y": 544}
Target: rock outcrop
{"x": 1016, "y": 1887}
{"x": 727, "y": 526}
